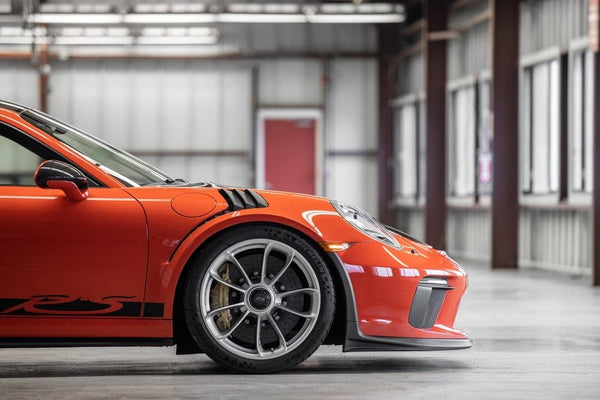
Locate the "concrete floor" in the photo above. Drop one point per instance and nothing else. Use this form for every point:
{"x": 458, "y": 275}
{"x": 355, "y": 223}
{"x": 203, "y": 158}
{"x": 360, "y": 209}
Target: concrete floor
{"x": 536, "y": 336}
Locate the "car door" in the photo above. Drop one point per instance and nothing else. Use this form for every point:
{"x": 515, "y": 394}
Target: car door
{"x": 65, "y": 260}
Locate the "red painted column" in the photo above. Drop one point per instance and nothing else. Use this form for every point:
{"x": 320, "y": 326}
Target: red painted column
{"x": 436, "y": 14}
{"x": 504, "y": 27}
{"x": 388, "y": 39}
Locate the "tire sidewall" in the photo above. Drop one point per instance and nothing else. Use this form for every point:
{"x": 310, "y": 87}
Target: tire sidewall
{"x": 199, "y": 268}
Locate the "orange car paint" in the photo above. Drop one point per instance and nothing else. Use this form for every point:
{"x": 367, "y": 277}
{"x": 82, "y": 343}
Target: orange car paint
{"x": 132, "y": 244}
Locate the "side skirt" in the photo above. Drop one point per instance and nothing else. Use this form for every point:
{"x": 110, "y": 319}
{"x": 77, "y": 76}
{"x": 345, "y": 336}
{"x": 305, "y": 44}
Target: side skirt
{"x": 83, "y": 342}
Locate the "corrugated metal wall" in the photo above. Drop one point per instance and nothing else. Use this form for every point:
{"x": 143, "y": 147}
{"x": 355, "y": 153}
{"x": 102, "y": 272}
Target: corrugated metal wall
{"x": 549, "y": 23}
{"x": 469, "y": 233}
{"x": 194, "y": 106}
{"x": 556, "y": 239}
{"x": 19, "y": 82}
{"x": 412, "y": 221}
{"x": 351, "y": 127}
{"x": 553, "y": 237}
{"x": 146, "y": 106}
{"x": 410, "y": 75}
{"x": 468, "y": 54}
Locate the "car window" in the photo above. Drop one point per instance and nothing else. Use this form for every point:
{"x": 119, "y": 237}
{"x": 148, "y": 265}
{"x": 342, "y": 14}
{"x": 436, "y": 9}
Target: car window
{"x": 17, "y": 164}
{"x": 126, "y": 168}
{"x": 20, "y": 156}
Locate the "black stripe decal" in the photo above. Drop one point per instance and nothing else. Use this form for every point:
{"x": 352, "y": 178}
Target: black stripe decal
{"x": 61, "y": 305}
{"x": 154, "y": 310}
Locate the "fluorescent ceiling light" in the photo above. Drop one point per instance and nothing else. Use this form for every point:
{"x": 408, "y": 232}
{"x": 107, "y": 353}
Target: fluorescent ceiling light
{"x": 75, "y": 19}
{"x": 355, "y": 18}
{"x": 179, "y": 31}
{"x": 91, "y": 40}
{"x": 262, "y": 18}
{"x": 176, "y": 40}
{"x": 22, "y": 40}
{"x": 128, "y": 40}
{"x": 202, "y": 18}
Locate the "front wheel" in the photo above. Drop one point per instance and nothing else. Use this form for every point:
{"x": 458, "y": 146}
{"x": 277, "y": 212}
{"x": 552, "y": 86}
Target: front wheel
{"x": 259, "y": 299}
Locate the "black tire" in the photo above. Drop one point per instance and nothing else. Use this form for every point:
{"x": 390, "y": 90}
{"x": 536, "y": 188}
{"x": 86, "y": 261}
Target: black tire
{"x": 292, "y": 298}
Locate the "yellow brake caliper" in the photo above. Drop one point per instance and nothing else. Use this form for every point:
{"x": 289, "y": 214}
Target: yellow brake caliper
{"x": 219, "y": 297}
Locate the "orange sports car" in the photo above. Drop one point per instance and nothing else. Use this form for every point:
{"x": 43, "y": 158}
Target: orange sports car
{"x": 99, "y": 248}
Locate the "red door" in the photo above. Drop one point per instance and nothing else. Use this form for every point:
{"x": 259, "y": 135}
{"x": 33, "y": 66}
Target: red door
{"x": 290, "y": 155}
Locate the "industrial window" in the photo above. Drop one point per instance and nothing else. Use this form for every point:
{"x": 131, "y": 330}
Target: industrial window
{"x": 540, "y": 128}
{"x": 581, "y": 122}
{"x": 484, "y": 140}
{"x": 409, "y": 164}
{"x": 461, "y": 140}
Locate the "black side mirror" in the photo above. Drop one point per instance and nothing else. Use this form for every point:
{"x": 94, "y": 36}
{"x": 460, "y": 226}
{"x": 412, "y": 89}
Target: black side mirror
{"x": 53, "y": 174}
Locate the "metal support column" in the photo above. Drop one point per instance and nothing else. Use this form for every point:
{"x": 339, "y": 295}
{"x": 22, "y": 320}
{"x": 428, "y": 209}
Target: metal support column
{"x": 596, "y": 178}
{"x": 436, "y": 14}
{"x": 388, "y": 39}
{"x": 43, "y": 71}
{"x": 504, "y": 26}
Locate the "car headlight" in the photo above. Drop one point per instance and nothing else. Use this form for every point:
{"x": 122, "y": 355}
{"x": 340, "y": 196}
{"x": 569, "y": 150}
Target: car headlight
{"x": 365, "y": 223}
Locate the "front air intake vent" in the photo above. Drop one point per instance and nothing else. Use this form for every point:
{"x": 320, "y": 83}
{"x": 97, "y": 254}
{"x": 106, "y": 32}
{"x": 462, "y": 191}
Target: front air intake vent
{"x": 427, "y": 302}
{"x": 243, "y": 199}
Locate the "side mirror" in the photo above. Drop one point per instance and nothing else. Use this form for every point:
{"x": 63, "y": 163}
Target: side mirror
{"x": 53, "y": 174}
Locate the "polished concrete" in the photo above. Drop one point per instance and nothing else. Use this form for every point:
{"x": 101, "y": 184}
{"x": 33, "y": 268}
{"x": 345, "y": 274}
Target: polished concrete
{"x": 535, "y": 336}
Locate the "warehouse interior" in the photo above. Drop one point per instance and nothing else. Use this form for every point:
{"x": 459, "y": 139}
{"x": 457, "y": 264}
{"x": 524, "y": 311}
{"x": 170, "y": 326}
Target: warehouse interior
{"x": 469, "y": 124}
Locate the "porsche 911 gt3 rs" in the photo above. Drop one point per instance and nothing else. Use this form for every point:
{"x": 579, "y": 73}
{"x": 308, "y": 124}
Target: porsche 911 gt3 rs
{"x": 100, "y": 248}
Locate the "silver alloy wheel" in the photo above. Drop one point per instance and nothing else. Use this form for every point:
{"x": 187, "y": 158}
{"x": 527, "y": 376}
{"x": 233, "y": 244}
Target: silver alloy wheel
{"x": 259, "y": 299}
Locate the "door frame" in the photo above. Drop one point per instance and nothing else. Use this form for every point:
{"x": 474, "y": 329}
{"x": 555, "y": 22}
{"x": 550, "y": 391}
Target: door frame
{"x": 313, "y": 113}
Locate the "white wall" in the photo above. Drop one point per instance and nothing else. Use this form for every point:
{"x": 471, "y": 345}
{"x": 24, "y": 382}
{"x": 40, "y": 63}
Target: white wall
{"x": 19, "y": 82}
{"x": 163, "y": 105}
{"x": 167, "y": 105}
{"x": 351, "y": 125}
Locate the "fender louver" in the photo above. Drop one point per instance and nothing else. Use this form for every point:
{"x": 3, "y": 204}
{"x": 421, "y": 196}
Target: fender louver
{"x": 243, "y": 199}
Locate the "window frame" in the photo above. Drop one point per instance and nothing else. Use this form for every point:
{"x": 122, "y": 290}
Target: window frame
{"x": 416, "y": 100}
{"x": 528, "y": 63}
{"x": 579, "y": 47}
{"x": 477, "y": 196}
{"x": 41, "y": 150}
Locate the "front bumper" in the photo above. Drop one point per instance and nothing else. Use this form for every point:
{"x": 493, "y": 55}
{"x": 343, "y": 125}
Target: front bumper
{"x": 401, "y": 299}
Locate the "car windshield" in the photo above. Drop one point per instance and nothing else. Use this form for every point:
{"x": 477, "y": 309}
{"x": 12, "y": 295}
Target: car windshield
{"x": 126, "y": 168}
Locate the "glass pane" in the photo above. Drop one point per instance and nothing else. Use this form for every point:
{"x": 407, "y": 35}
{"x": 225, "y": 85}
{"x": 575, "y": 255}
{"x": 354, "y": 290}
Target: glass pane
{"x": 554, "y": 116}
{"x": 406, "y": 151}
{"x": 484, "y": 156}
{"x": 526, "y": 133}
{"x": 422, "y": 150}
{"x": 577, "y": 123}
{"x": 464, "y": 142}
{"x": 589, "y": 122}
{"x": 17, "y": 164}
{"x": 541, "y": 129}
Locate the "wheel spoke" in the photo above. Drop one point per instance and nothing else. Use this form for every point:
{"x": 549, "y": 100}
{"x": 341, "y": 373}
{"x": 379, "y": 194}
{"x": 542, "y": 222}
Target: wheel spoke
{"x": 259, "y": 348}
{"x": 263, "y": 269}
{"x": 282, "y": 342}
{"x": 310, "y": 291}
{"x": 235, "y": 262}
{"x": 288, "y": 262}
{"x": 234, "y": 327}
{"x": 272, "y": 266}
{"x": 216, "y": 311}
{"x": 307, "y": 315}
{"x": 222, "y": 281}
